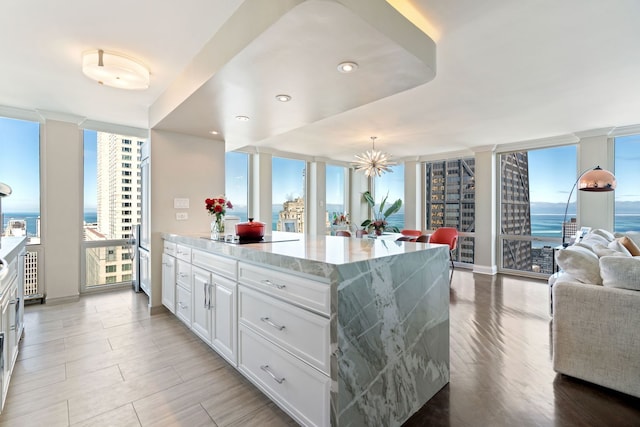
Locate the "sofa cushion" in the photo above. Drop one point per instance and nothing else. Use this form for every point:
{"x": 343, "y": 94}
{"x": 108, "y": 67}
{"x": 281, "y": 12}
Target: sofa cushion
{"x": 604, "y": 233}
{"x": 610, "y": 250}
{"x": 617, "y": 246}
{"x": 630, "y": 245}
{"x": 620, "y": 272}
{"x": 581, "y": 263}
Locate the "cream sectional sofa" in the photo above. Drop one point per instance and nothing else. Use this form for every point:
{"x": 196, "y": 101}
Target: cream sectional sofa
{"x": 596, "y": 312}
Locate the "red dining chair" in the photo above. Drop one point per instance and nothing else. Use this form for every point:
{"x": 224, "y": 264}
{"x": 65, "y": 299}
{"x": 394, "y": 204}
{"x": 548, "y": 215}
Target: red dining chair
{"x": 343, "y": 233}
{"x": 411, "y": 233}
{"x": 405, "y": 239}
{"x": 423, "y": 238}
{"x": 446, "y": 236}
{"x": 361, "y": 233}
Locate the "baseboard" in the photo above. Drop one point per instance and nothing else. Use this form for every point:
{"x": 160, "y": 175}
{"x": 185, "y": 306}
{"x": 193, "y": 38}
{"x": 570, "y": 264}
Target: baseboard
{"x": 62, "y": 300}
{"x": 490, "y": 270}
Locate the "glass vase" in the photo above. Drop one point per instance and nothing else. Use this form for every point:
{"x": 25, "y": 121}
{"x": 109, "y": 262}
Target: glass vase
{"x": 217, "y": 229}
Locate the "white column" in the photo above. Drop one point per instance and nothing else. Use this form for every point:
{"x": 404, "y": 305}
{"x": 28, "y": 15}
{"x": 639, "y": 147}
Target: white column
{"x": 61, "y": 154}
{"x": 260, "y": 195}
{"x": 358, "y": 208}
{"x": 316, "y": 203}
{"x": 595, "y": 210}
{"x": 413, "y": 200}
{"x": 485, "y": 248}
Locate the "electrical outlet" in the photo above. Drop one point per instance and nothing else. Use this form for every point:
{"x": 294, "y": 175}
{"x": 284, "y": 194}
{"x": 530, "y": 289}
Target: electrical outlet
{"x": 182, "y": 216}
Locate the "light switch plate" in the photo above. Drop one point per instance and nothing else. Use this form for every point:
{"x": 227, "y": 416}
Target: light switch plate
{"x": 179, "y": 203}
{"x": 182, "y": 216}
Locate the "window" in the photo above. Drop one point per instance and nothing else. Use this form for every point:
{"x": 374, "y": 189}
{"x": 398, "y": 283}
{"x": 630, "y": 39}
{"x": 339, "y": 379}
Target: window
{"x": 627, "y": 201}
{"x": 533, "y": 194}
{"x": 288, "y": 192}
{"x": 391, "y": 185}
{"x": 237, "y": 183}
{"x": 107, "y": 205}
{"x": 126, "y": 157}
{"x": 337, "y": 215}
{"x": 20, "y": 169}
{"x": 450, "y": 201}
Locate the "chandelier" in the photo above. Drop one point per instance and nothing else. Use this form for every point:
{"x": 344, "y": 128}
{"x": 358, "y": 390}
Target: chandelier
{"x": 373, "y": 162}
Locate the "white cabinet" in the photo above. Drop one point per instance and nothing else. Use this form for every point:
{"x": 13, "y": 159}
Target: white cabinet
{"x": 145, "y": 271}
{"x": 202, "y": 304}
{"x": 225, "y": 320}
{"x": 184, "y": 286}
{"x": 11, "y": 308}
{"x": 169, "y": 282}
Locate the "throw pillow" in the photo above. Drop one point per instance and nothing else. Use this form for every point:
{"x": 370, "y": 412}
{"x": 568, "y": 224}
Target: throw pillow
{"x": 630, "y": 245}
{"x": 581, "y": 263}
{"x": 602, "y": 250}
{"x": 617, "y": 246}
{"x": 620, "y": 272}
{"x": 604, "y": 233}
{"x": 591, "y": 239}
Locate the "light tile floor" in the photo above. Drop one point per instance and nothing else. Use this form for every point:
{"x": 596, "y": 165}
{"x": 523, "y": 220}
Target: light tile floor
{"x": 103, "y": 361}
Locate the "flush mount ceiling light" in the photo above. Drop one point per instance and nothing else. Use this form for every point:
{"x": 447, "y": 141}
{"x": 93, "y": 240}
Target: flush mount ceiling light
{"x": 283, "y": 98}
{"x": 115, "y": 70}
{"x": 373, "y": 162}
{"x": 213, "y": 132}
{"x": 347, "y": 67}
{"x": 242, "y": 118}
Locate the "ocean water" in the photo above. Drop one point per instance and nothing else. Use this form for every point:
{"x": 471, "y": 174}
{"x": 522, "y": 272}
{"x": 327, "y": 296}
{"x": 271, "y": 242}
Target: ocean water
{"x": 542, "y": 225}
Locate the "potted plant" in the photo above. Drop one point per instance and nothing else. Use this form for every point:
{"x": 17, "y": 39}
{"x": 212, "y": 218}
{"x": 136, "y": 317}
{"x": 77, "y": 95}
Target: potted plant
{"x": 379, "y": 221}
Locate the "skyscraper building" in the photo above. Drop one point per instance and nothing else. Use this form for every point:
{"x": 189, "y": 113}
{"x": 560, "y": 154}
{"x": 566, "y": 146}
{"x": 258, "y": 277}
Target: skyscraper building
{"x": 516, "y": 210}
{"x": 450, "y": 200}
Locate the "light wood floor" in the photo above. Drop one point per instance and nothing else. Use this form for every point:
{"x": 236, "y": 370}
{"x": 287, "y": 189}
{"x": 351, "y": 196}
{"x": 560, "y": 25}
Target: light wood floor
{"x": 102, "y": 361}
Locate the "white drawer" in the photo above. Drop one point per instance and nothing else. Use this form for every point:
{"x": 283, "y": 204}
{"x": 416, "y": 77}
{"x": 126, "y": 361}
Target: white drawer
{"x": 183, "y": 305}
{"x": 308, "y": 293}
{"x": 299, "y": 389}
{"x": 183, "y": 253}
{"x": 169, "y": 248}
{"x": 223, "y": 266}
{"x": 297, "y": 330}
{"x": 183, "y": 274}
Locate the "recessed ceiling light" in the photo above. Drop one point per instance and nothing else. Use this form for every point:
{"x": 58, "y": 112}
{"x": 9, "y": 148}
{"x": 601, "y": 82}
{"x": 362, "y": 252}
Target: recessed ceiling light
{"x": 283, "y": 98}
{"x": 242, "y": 118}
{"x": 347, "y": 67}
{"x": 213, "y": 132}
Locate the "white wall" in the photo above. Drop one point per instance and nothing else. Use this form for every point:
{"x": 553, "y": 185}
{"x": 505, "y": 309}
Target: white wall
{"x": 61, "y": 157}
{"x": 185, "y": 167}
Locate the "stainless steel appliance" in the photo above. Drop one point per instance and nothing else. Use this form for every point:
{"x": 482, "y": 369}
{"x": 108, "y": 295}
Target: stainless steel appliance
{"x": 5, "y": 190}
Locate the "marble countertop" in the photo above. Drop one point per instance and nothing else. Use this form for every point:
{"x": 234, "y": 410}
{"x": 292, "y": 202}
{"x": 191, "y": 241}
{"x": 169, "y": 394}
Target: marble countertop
{"x": 9, "y": 245}
{"x": 317, "y": 255}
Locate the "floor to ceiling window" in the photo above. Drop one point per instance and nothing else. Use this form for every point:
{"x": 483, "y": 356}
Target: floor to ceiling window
{"x": 237, "y": 183}
{"x": 534, "y": 187}
{"x": 336, "y": 214}
{"x": 391, "y": 185}
{"x": 627, "y": 198}
{"x": 288, "y": 194}
{"x": 112, "y": 204}
{"x": 450, "y": 201}
{"x": 20, "y": 169}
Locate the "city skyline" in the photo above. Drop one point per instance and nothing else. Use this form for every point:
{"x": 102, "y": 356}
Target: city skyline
{"x": 21, "y": 139}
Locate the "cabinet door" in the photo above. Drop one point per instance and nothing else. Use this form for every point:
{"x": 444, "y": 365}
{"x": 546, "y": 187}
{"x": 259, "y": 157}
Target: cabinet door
{"x": 5, "y": 351}
{"x": 202, "y": 304}
{"x": 169, "y": 282}
{"x": 225, "y": 333}
{"x": 145, "y": 272}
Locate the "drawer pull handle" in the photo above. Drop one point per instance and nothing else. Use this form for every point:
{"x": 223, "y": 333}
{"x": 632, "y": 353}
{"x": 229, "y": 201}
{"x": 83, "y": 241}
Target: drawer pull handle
{"x": 184, "y": 275}
{"x": 275, "y": 285}
{"x": 270, "y": 323}
{"x": 182, "y": 306}
{"x": 268, "y": 370}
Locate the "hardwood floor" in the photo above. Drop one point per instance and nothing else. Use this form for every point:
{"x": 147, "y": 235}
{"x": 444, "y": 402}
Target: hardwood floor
{"x": 102, "y": 361}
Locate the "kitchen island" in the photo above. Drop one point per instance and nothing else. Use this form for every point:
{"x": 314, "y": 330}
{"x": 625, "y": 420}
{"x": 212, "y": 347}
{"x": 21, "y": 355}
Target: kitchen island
{"x": 337, "y": 331}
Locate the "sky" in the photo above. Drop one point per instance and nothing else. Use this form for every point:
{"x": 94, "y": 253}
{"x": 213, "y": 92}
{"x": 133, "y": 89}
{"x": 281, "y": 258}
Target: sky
{"x": 552, "y": 172}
